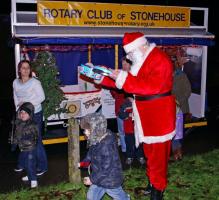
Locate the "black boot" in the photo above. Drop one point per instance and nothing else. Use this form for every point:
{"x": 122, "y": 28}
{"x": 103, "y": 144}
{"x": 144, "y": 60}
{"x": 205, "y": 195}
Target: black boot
{"x": 148, "y": 189}
{"x": 156, "y": 194}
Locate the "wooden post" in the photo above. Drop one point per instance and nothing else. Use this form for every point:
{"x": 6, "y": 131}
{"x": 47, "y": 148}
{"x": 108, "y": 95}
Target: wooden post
{"x": 116, "y": 56}
{"x": 89, "y": 53}
{"x": 73, "y": 151}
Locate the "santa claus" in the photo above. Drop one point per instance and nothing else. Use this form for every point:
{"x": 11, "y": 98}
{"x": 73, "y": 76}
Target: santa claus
{"x": 150, "y": 80}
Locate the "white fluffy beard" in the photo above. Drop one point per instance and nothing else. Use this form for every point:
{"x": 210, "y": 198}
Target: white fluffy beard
{"x": 137, "y": 62}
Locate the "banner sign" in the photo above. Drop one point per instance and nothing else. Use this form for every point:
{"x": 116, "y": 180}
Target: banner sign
{"x": 110, "y": 15}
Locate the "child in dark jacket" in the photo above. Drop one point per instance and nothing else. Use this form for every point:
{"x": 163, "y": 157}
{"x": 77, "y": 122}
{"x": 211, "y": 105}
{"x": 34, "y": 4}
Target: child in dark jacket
{"x": 177, "y": 140}
{"x": 125, "y": 113}
{"x": 26, "y": 135}
{"x": 106, "y": 169}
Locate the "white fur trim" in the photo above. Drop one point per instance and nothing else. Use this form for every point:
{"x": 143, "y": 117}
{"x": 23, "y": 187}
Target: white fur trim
{"x": 137, "y": 125}
{"x": 158, "y": 139}
{"x": 135, "y": 68}
{"x": 121, "y": 79}
{"x": 135, "y": 44}
{"x": 139, "y": 135}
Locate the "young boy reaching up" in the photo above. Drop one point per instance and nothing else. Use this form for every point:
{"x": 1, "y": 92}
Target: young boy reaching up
{"x": 106, "y": 169}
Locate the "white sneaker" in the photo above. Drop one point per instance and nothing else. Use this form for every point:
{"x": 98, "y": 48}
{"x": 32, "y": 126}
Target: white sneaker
{"x": 141, "y": 160}
{"x": 33, "y": 184}
{"x": 18, "y": 169}
{"x": 25, "y": 178}
{"x": 129, "y": 161}
{"x": 40, "y": 173}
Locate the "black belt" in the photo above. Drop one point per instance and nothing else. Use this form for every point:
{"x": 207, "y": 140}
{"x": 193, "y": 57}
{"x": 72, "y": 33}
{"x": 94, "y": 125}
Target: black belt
{"x": 150, "y": 97}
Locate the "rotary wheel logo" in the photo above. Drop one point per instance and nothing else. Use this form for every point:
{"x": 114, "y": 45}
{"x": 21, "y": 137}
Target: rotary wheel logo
{"x": 72, "y": 108}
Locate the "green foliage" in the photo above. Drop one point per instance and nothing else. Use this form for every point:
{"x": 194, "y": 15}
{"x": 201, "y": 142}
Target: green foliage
{"x": 45, "y": 67}
{"x": 193, "y": 178}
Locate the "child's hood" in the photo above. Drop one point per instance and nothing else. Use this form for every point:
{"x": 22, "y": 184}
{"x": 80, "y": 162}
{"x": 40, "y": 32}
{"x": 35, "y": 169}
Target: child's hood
{"x": 97, "y": 124}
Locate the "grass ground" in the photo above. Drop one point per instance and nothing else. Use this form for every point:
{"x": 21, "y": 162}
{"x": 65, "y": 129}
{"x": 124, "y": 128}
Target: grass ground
{"x": 193, "y": 178}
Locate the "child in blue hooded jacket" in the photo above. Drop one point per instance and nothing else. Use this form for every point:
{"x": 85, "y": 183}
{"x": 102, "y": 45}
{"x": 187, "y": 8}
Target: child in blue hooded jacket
{"x": 106, "y": 169}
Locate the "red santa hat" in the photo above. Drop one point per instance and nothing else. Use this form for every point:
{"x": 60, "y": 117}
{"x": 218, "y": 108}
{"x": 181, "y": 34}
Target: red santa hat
{"x": 133, "y": 40}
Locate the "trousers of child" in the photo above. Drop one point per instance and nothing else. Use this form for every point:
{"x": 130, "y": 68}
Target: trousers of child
{"x": 131, "y": 150}
{"x": 30, "y": 164}
{"x": 121, "y": 134}
{"x": 41, "y": 162}
{"x": 96, "y": 193}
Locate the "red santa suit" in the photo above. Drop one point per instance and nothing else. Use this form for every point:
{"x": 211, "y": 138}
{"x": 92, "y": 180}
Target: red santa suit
{"x": 154, "y": 117}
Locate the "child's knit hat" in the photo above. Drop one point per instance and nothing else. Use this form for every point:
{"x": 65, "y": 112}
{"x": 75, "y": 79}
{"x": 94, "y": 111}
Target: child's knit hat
{"x": 28, "y": 108}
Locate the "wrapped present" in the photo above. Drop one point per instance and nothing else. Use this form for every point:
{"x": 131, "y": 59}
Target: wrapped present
{"x": 94, "y": 72}
{"x": 88, "y": 71}
{"x": 101, "y": 70}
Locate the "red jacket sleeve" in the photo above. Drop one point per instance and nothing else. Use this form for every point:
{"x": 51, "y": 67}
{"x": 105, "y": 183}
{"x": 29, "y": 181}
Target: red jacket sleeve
{"x": 108, "y": 82}
{"x": 84, "y": 164}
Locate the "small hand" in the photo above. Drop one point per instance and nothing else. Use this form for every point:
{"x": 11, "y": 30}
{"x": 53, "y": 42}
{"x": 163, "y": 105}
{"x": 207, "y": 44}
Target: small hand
{"x": 87, "y": 181}
{"x": 182, "y": 60}
{"x": 114, "y": 73}
{"x": 80, "y": 68}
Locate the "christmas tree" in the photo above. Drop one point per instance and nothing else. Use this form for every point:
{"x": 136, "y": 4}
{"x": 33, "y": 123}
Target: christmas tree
{"x": 44, "y": 65}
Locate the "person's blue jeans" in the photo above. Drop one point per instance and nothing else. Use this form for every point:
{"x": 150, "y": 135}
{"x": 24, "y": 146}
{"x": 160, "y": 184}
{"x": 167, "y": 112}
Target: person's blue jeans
{"x": 30, "y": 164}
{"x": 176, "y": 144}
{"x": 96, "y": 193}
{"x": 121, "y": 134}
{"x": 21, "y": 160}
{"x": 42, "y": 164}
